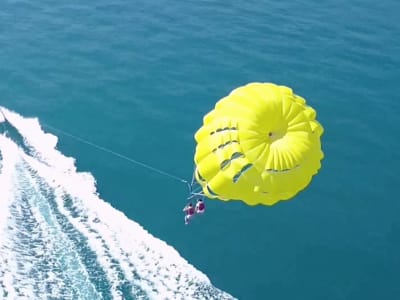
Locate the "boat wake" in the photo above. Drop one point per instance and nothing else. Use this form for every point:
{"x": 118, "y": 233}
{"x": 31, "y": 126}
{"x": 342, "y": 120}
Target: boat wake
{"x": 59, "y": 240}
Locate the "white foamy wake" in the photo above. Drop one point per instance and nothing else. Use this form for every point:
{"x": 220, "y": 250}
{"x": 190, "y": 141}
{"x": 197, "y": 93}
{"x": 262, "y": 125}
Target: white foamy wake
{"x": 59, "y": 240}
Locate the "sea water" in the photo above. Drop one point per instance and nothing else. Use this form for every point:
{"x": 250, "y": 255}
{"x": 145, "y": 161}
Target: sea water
{"x": 136, "y": 77}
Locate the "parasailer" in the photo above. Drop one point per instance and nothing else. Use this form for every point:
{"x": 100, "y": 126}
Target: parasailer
{"x": 200, "y": 206}
{"x": 260, "y": 144}
{"x": 189, "y": 211}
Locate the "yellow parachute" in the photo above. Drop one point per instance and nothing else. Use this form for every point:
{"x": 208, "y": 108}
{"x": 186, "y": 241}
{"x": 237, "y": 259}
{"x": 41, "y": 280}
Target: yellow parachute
{"x": 261, "y": 144}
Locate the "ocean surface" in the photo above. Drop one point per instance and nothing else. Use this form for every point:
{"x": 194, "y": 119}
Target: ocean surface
{"x": 102, "y": 100}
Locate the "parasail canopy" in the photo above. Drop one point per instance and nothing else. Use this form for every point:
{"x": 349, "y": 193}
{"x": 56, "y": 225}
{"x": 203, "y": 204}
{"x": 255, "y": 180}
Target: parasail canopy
{"x": 260, "y": 144}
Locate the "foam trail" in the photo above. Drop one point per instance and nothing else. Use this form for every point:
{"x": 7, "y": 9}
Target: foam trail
{"x": 59, "y": 240}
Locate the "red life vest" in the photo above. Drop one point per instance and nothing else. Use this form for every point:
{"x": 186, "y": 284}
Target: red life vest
{"x": 201, "y": 206}
{"x": 190, "y": 211}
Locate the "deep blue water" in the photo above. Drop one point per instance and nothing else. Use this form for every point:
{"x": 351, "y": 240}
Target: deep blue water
{"x": 138, "y": 76}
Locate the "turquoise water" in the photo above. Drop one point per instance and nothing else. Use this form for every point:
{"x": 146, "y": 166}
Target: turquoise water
{"x": 137, "y": 77}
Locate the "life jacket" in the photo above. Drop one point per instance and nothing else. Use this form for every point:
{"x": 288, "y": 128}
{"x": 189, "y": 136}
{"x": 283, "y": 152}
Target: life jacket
{"x": 201, "y": 206}
{"x": 190, "y": 211}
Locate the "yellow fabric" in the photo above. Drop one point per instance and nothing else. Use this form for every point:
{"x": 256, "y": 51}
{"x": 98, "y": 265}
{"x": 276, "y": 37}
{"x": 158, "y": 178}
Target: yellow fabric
{"x": 261, "y": 144}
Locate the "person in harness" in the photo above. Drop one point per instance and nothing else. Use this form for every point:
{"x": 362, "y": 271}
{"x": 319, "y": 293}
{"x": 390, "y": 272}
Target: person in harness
{"x": 200, "y": 206}
{"x": 189, "y": 212}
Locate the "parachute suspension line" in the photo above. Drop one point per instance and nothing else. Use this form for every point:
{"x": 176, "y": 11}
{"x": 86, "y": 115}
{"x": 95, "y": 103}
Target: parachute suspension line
{"x": 131, "y": 160}
{"x": 195, "y": 190}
